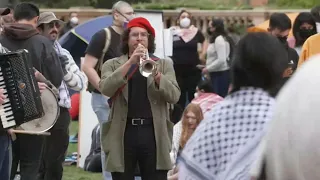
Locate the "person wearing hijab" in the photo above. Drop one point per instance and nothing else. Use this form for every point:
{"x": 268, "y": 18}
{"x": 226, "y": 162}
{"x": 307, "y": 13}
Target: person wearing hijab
{"x": 291, "y": 147}
{"x": 224, "y": 145}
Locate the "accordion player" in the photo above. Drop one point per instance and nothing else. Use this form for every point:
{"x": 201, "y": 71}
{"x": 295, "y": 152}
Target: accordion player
{"x": 23, "y": 99}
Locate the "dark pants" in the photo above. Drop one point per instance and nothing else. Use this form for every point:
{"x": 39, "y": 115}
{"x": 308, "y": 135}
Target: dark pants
{"x": 55, "y": 148}
{"x": 5, "y": 152}
{"x": 27, "y": 150}
{"x": 140, "y": 149}
{"x": 220, "y": 82}
{"x": 188, "y": 77}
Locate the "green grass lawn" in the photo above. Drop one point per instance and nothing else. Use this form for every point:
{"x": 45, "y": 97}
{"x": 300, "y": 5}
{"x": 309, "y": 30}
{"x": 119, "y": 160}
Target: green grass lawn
{"x": 72, "y": 172}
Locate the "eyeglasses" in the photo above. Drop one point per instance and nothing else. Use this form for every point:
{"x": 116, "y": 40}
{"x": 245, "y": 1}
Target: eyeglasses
{"x": 143, "y": 35}
{"x": 54, "y": 24}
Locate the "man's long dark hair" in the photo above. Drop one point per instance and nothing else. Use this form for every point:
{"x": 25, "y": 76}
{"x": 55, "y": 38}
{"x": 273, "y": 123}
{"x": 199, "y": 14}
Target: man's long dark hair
{"x": 125, "y": 39}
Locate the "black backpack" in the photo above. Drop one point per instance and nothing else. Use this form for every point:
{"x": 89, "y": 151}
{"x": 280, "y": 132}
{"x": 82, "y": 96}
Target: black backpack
{"x": 95, "y": 150}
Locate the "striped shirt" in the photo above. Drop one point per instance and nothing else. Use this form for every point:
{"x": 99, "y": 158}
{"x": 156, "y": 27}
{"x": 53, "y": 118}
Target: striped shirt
{"x": 74, "y": 79}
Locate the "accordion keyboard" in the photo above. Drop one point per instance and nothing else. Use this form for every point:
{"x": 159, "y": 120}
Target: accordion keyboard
{"x": 23, "y": 101}
{"x": 6, "y": 109}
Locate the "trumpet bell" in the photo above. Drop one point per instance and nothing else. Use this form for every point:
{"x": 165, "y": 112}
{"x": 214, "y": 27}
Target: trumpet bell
{"x": 147, "y": 67}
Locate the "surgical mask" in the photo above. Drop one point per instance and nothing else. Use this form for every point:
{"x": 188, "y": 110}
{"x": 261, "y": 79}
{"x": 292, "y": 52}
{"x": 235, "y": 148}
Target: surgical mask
{"x": 185, "y": 22}
{"x": 196, "y": 95}
{"x": 74, "y": 20}
{"x": 318, "y": 26}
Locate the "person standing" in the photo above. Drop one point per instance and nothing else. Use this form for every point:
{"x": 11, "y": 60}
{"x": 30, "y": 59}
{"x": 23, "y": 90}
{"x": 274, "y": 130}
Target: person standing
{"x": 219, "y": 54}
{"x": 311, "y": 45}
{"x": 5, "y": 139}
{"x": 139, "y": 131}
{"x": 186, "y": 39}
{"x": 72, "y": 22}
{"x": 57, "y": 143}
{"x": 304, "y": 26}
{"x": 97, "y": 53}
{"x": 279, "y": 27}
{"x": 27, "y": 149}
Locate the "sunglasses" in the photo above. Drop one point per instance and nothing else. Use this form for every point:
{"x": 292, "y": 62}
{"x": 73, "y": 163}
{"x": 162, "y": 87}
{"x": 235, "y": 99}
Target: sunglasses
{"x": 54, "y": 24}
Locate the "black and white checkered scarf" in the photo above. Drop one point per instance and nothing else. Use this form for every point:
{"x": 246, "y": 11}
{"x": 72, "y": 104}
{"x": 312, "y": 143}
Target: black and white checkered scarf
{"x": 224, "y": 144}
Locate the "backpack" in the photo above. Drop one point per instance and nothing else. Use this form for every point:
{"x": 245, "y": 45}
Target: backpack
{"x": 94, "y": 150}
{"x": 100, "y": 61}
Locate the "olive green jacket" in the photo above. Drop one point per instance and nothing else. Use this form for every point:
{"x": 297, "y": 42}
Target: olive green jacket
{"x": 112, "y": 133}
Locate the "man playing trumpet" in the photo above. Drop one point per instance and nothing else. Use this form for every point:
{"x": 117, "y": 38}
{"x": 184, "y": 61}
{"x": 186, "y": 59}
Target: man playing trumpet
{"x": 139, "y": 130}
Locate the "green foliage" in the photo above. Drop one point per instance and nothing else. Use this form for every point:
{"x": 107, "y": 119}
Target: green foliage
{"x": 297, "y": 3}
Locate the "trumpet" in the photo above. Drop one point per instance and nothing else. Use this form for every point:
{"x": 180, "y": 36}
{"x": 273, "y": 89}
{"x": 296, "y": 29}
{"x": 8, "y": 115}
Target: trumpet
{"x": 147, "y": 65}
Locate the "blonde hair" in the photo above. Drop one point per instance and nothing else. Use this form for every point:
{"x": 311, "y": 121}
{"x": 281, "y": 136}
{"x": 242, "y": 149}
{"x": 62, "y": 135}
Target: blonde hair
{"x": 186, "y": 134}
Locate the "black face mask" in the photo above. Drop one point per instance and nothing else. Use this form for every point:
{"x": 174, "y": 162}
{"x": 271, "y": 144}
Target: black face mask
{"x": 283, "y": 40}
{"x": 305, "y": 33}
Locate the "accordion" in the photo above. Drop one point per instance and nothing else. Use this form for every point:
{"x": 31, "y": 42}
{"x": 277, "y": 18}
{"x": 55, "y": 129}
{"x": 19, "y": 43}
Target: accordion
{"x": 23, "y": 101}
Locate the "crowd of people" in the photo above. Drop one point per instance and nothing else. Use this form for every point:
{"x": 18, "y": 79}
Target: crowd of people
{"x": 39, "y": 157}
{"x": 232, "y": 109}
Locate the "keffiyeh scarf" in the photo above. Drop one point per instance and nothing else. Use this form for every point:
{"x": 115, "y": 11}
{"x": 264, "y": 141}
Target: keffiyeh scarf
{"x": 224, "y": 144}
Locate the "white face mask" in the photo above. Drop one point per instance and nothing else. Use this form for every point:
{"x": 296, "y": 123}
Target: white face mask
{"x": 185, "y": 22}
{"x": 196, "y": 95}
{"x": 74, "y": 20}
{"x": 318, "y": 27}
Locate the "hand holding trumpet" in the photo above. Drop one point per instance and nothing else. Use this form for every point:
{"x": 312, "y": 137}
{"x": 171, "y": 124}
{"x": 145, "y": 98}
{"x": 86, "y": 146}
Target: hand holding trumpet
{"x": 139, "y": 52}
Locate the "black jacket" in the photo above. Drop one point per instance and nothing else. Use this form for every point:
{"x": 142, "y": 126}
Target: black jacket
{"x": 44, "y": 57}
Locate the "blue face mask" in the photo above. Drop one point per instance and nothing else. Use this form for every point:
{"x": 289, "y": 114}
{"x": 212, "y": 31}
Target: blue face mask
{"x": 125, "y": 24}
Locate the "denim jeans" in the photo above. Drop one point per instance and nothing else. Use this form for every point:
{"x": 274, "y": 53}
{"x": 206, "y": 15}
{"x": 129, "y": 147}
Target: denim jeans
{"x": 101, "y": 107}
{"x": 5, "y": 157}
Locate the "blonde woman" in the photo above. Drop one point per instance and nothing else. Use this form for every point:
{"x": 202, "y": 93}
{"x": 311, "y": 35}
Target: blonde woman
{"x": 182, "y": 131}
